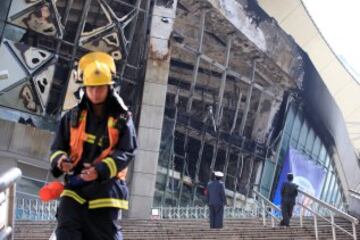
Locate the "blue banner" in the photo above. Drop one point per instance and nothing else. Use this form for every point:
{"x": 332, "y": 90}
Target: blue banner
{"x": 308, "y": 175}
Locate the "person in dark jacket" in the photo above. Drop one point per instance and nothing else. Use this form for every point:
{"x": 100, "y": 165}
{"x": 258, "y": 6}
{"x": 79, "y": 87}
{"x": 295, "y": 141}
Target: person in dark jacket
{"x": 288, "y": 195}
{"x": 216, "y": 200}
{"x": 93, "y": 146}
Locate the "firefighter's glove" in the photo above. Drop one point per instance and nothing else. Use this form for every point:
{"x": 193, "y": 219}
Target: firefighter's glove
{"x": 89, "y": 173}
{"x": 64, "y": 164}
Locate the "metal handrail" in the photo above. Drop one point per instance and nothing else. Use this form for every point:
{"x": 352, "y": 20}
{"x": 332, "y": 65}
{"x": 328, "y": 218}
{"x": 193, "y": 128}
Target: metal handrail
{"x": 330, "y": 207}
{"x": 324, "y": 218}
{"x": 8, "y": 188}
{"x": 334, "y": 212}
{"x": 265, "y": 209}
{"x": 354, "y": 194}
{"x": 267, "y": 200}
{"x": 5, "y": 233}
{"x": 8, "y": 178}
{"x": 354, "y": 221}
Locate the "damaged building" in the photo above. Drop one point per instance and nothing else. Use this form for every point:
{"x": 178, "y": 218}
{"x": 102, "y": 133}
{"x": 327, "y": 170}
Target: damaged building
{"x": 221, "y": 103}
{"x": 242, "y": 98}
{"x": 214, "y": 85}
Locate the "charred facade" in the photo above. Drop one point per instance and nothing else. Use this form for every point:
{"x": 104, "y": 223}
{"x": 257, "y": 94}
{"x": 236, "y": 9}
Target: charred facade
{"x": 214, "y": 85}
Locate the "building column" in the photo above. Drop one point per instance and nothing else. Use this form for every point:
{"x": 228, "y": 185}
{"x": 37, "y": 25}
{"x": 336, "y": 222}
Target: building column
{"x": 152, "y": 110}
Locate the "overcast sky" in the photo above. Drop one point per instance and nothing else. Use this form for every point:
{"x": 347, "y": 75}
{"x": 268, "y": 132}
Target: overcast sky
{"x": 339, "y": 22}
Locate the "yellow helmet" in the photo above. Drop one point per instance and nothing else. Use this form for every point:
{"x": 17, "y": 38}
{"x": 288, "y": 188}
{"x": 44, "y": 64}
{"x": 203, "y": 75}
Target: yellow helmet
{"x": 97, "y": 56}
{"x": 96, "y": 74}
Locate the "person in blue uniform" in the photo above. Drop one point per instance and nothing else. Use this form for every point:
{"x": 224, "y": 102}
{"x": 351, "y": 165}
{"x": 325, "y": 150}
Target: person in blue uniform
{"x": 93, "y": 146}
{"x": 216, "y": 200}
{"x": 288, "y": 196}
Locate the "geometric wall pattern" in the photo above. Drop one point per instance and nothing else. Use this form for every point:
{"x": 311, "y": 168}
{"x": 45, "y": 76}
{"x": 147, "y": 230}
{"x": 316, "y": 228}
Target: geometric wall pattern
{"x": 41, "y": 42}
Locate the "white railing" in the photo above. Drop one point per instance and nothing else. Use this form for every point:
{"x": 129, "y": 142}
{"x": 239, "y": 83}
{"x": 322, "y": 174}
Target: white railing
{"x": 268, "y": 209}
{"x": 7, "y": 202}
{"x": 34, "y": 209}
{"x": 308, "y": 205}
{"x": 202, "y": 212}
{"x": 320, "y": 209}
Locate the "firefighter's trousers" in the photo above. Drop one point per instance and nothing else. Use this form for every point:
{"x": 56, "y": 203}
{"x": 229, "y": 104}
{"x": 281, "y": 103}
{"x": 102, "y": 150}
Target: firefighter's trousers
{"x": 77, "y": 222}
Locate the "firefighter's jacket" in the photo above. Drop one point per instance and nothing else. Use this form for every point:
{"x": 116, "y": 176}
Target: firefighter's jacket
{"x": 116, "y": 143}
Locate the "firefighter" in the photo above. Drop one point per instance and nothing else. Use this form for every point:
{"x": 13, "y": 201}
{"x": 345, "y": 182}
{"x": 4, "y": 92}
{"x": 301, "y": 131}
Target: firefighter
{"x": 93, "y": 146}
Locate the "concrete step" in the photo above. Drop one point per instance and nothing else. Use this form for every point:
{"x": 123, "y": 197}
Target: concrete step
{"x": 250, "y": 228}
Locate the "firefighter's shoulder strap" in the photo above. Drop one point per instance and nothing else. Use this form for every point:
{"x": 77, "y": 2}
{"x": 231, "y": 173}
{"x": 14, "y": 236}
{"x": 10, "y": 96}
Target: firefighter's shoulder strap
{"x": 75, "y": 114}
{"x": 122, "y": 120}
{"x": 98, "y": 134}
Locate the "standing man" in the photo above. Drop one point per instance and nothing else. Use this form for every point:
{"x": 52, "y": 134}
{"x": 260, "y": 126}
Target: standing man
{"x": 288, "y": 195}
{"x": 93, "y": 146}
{"x": 216, "y": 200}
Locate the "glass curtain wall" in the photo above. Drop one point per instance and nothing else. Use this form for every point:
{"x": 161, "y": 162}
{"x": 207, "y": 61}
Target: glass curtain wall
{"x": 300, "y": 135}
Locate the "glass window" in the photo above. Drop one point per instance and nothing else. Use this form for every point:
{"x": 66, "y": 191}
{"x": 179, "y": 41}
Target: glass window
{"x": 330, "y": 189}
{"x": 166, "y": 149}
{"x": 267, "y": 177}
{"x": 334, "y": 193}
{"x": 322, "y": 155}
{"x": 326, "y": 186}
{"x": 327, "y": 162}
{"x": 283, "y": 150}
{"x": 338, "y": 200}
{"x": 295, "y": 131}
{"x": 303, "y": 134}
{"x": 289, "y": 121}
{"x": 286, "y": 138}
{"x": 316, "y": 149}
{"x": 309, "y": 145}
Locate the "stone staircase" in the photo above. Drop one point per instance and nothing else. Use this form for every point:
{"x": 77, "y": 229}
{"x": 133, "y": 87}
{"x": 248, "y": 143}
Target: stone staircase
{"x": 249, "y": 228}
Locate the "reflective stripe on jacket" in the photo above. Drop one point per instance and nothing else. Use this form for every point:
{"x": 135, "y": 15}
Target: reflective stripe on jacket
{"x": 78, "y": 137}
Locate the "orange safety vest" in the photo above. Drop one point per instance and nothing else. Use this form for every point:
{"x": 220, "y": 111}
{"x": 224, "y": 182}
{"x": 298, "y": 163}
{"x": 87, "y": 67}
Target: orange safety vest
{"x": 78, "y": 137}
